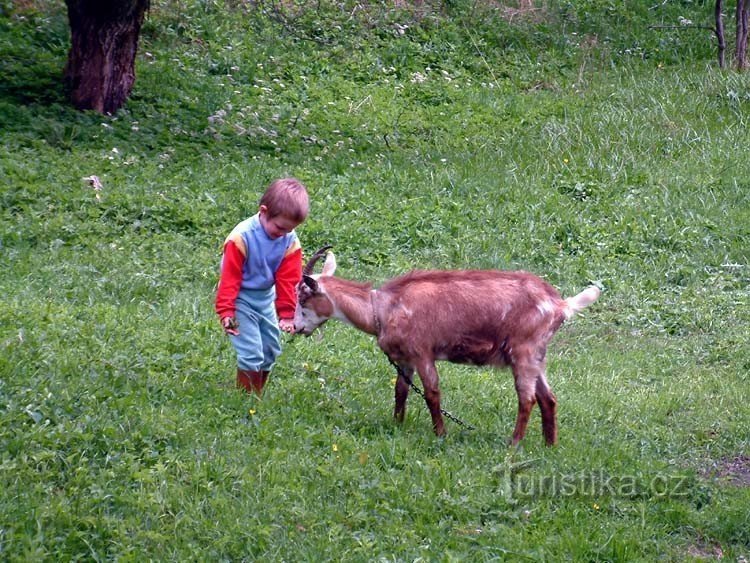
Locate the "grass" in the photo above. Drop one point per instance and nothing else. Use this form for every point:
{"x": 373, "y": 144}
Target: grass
{"x": 559, "y": 145}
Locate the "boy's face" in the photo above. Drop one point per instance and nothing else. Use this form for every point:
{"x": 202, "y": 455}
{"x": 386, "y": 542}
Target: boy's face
{"x": 277, "y": 226}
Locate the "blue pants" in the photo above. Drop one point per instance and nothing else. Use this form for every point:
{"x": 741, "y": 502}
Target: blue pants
{"x": 257, "y": 345}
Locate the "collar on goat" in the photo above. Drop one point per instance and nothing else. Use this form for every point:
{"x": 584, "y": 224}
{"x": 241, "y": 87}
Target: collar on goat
{"x": 375, "y": 314}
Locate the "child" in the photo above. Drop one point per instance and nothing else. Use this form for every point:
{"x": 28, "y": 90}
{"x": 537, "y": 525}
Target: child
{"x": 260, "y": 269}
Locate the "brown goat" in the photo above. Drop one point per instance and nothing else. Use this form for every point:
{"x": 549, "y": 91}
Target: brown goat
{"x": 481, "y": 317}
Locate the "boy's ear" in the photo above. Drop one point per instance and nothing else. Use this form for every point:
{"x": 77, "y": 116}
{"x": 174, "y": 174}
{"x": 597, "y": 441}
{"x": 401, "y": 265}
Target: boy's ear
{"x": 263, "y": 209}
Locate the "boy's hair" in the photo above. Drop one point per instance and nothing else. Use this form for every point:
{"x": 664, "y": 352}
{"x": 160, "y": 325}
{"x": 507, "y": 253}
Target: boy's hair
{"x": 287, "y": 197}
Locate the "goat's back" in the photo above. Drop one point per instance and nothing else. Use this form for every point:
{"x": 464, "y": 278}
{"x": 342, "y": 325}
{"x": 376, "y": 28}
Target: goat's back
{"x": 473, "y": 288}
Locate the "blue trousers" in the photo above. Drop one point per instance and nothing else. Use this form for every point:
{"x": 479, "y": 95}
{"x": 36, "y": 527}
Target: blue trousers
{"x": 258, "y": 343}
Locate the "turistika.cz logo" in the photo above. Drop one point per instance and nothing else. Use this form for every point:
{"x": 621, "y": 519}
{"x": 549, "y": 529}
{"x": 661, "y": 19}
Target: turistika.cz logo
{"x": 595, "y": 484}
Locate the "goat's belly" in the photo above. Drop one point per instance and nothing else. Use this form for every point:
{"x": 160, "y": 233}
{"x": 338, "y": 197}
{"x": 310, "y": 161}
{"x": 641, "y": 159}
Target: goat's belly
{"x": 476, "y": 352}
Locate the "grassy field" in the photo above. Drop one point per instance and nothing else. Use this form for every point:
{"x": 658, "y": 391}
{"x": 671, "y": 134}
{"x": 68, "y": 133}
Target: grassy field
{"x": 449, "y": 136}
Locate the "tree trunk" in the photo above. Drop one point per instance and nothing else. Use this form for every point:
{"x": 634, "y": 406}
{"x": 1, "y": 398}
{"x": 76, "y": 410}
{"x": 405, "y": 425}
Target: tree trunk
{"x": 719, "y": 30}
{"x": 100, "y": 71}
{"x": 741, "y": 39}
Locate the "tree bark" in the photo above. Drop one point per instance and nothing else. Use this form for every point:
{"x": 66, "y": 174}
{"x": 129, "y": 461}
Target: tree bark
{"x": 100, "y": 71}
{"x": 743, "y": 7}
{"x": 719, "y": 31}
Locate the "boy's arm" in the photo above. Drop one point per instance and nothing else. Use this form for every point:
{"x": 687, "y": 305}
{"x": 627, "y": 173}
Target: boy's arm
{"x": 287, "y": 277}
{"x": 230, "y": 280}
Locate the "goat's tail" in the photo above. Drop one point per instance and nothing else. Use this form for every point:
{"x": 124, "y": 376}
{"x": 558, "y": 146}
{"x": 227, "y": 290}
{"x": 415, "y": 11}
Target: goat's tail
{"x": 576, "y": 304}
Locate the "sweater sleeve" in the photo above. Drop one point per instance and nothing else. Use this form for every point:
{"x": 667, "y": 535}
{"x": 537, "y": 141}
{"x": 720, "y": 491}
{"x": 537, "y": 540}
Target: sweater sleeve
{"x": 230, "y": 280}
{"x": 287, "y": 277}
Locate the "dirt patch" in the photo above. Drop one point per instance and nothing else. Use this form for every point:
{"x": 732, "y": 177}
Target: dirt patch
{"x": 526, "y": 11}
{"x": 26, "y": 6}
{"x": 705, "y": 552}
{"x": 732, "y": 471}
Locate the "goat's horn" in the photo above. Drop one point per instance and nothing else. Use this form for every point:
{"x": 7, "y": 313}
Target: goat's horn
{"x": 308, "y": 270}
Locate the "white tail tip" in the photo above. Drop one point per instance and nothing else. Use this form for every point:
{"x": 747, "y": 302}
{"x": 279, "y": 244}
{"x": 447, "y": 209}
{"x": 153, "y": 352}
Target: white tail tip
{"x": 582, "y": 300}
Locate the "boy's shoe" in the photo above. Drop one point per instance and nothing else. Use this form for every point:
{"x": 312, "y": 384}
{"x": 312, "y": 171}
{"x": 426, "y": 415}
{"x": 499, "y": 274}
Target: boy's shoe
{"x": 252, "y": 381}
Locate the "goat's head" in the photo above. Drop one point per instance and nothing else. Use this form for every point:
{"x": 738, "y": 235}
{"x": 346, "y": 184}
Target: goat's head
{"x": 314, "y": 307}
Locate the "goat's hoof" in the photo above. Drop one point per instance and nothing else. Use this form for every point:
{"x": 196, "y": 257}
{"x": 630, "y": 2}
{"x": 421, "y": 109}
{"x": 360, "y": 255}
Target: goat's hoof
{"x": 514, "y": 444}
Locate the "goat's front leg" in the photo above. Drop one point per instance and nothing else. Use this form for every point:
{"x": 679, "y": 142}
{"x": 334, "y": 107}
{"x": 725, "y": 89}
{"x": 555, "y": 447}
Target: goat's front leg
{"x": 431, "y": 385}
{"x": 402, "y": 391}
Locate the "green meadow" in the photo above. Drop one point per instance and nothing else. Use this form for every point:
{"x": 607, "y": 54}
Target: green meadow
{"x": 570, "y": 139}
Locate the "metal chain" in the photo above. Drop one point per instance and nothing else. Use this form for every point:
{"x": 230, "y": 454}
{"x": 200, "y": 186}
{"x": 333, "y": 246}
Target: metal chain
{"x": 419, "y": 392}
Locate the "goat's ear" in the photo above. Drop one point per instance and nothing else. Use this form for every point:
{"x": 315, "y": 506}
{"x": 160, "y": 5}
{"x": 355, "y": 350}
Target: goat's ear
{"x": 330, "y": 265}
{"x": 311, "y": 283}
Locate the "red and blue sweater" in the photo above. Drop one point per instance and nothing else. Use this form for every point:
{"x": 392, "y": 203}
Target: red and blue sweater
{"x": 253, "y": 260}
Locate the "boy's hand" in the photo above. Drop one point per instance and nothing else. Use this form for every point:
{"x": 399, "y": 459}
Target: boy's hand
{"x": 287, "y": 325}
{"x": 230, "y": 326}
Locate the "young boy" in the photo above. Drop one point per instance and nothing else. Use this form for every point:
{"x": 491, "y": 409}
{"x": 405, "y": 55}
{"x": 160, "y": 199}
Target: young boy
{"x": 260, "y": 268}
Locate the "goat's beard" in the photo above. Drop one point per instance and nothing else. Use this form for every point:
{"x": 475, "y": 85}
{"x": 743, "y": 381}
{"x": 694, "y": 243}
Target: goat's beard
{"x": 318, "y": 333}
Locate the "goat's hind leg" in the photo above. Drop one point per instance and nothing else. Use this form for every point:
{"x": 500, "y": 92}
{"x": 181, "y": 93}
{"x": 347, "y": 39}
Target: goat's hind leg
{"x": 548, "y": 405}
{"x": 525, "y": 376}
{"x": 532, "y": 387}
{"x": 402, "y": 391}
